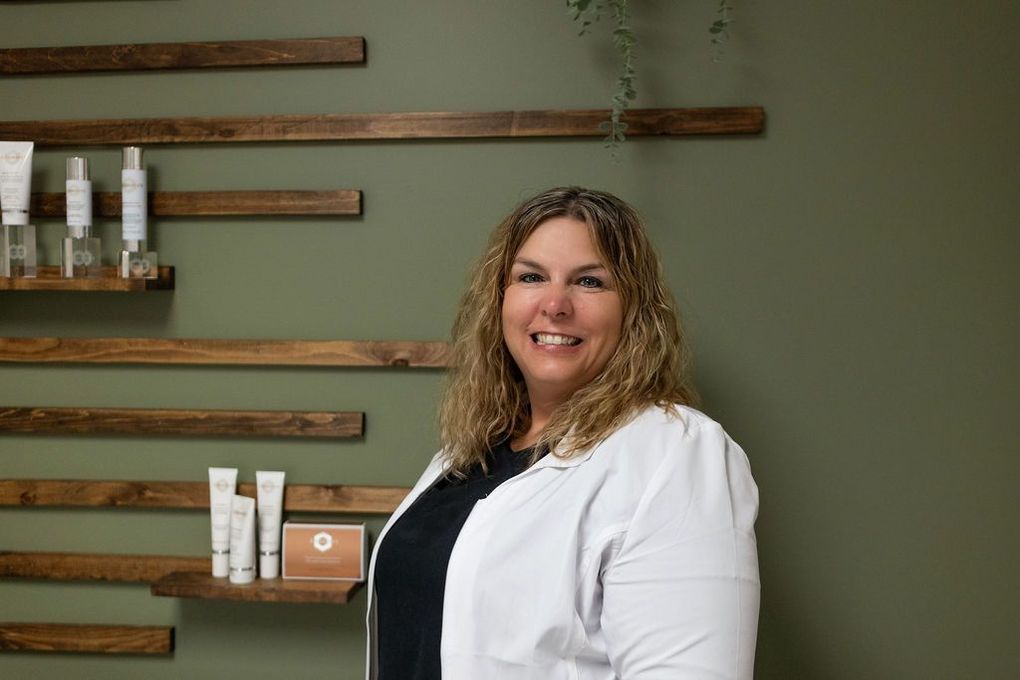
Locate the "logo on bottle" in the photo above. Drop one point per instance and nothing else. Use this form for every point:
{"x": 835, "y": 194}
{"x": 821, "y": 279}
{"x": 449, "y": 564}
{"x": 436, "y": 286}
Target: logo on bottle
{"x": 18, "y": 252}
{"x": 12, "y": 157}
{"x": 130, "y": 185}
{"x": 139, "y": 266}
{"x": 82, "y": 258}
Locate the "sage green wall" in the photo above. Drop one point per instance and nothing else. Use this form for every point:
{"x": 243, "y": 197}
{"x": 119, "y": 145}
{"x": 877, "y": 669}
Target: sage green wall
{"x": 849, "y": 280}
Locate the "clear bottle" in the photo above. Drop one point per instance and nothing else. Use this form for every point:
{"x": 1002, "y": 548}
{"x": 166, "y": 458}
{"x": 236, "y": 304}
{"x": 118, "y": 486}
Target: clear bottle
{"x": 80, "y": 251}
{"x": 136, "y": 261}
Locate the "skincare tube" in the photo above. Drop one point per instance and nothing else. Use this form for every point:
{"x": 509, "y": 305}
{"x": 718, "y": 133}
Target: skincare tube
{"x": 222, "y": 487}
{"x": 18, "y": 256}
{"x": 135, "y": 260}
{"x": 80, "y": 252}
{"x": 242, "y": 540}
{"x": 270, "y": 504}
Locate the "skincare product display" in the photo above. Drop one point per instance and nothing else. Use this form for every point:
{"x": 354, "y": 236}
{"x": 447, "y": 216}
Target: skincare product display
{"x": 136, "y": 261}
{"x": 269, "y": 491}
{"x": 80, "y": 251}
{"x": 18, "y": 255}
{"x": 233, "y": 540}
{"x": 242, "y": 540}
{"x": 222, "y": 487}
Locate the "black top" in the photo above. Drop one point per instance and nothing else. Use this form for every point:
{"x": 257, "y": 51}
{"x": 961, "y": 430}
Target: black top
{"x": 410, "y": 569}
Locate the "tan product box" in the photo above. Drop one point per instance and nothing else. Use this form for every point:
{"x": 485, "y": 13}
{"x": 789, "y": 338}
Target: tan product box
{"x": 324, "y": 551}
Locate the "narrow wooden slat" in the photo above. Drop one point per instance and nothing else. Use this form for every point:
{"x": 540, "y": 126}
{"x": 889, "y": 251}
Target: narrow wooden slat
{"x": 214, "y": 203}
{"x": 225, "y": 352}
{"x": 339, "y": 498}
{"x": 184, "y": 55}
{"x": 60, "y": 637}
{"x": 203, "y": 423}
{"x": 97, "y": 567}
{"x": 50, "y": 279}
{"x": 204, "y": 586}
{"x": 362, "y": 126}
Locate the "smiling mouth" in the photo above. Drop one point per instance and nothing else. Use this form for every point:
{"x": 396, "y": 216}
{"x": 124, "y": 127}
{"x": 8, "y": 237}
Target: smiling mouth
{"x": 553, "y": 339}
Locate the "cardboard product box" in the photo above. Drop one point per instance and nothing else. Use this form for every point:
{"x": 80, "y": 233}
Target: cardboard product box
{"x": 324, "y": 551}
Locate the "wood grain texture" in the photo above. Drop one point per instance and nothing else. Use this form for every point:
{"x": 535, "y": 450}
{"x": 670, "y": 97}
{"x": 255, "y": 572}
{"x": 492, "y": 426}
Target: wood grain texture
{"x": 183, "y": 55}
{"x": 61, "y": 637}
{"x": 55, "y": 566}
{"x": 204, "y": 586}
{"x": 365, "y": 126}
{"x": 50, "y": 279}
{"x": 336, "y": 498}
{"x": 335, "y": 353}
{"x": 214, "y": 203}
{"x": 196, "y": 423}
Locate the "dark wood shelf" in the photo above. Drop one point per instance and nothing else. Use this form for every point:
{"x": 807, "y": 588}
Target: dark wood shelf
{"x": 367, "y": 126}
{"x": 353, "y": 353}
{"x": 213, "y": 203}
{"x": 182, "y": 55}
{"x": 338, "y": 498}
{"x": 181, "y": 422}
{"x": 62, "y": 637}
{"x": 204, "y": 586}
{"x": 50, "y": 279}
{"x": 112, "y": 568}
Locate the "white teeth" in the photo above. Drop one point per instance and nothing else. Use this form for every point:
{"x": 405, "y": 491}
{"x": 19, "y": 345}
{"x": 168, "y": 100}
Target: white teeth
{"x": 550, "y": 339}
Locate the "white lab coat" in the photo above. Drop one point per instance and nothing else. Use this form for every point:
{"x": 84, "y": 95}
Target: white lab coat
{"x": 634, "y": 560}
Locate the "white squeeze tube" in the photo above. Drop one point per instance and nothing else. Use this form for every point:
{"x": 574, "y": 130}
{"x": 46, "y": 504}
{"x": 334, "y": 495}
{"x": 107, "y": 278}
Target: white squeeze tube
{"x": 242, "y": 540}
{"x": 270, "y": 504}
{"x": 16, "y": 181}
{"x": 222, "y": 487}
{"x": 18, "y": 236}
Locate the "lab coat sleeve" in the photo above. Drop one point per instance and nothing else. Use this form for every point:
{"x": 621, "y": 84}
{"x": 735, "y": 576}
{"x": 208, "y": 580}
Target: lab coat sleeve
{"x": 681, "y": 592}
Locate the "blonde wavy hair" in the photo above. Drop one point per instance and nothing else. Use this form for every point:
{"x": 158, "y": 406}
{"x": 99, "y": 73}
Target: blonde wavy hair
{"x": 486, "y": 399}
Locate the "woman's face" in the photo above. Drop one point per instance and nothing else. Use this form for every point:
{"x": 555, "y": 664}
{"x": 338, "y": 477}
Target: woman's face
{"x": 562, "y": 314}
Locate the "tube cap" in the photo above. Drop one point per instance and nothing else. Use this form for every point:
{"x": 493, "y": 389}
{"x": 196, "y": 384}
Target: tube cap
{"x": 269, "y": 566}
{"x": 15, "y": 218}
{"x": 221, "y": 565}
{"x": 132, "y": 158}
{"x": 77, "y": 168}
{"x": 242, "y": 576}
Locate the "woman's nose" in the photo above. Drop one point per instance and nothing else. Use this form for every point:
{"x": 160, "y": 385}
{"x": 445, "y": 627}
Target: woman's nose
{"x": 556, "y": 302}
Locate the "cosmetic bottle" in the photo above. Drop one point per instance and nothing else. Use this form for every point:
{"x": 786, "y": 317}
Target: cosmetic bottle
{"x": 135, "y": 260}
{"x": 80, "y": 251}
{"x": 17, "y": 236}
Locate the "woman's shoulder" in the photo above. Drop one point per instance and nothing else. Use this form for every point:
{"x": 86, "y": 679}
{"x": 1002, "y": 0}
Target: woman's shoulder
{"x": 676, "y": 437}
{"x": 670, "y": 420}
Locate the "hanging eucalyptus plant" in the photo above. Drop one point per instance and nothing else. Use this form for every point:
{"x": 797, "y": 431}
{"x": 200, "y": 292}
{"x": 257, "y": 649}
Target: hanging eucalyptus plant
{"x": 587, "y": 12}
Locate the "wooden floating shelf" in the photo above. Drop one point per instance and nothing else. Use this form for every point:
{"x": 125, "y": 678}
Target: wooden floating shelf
{"x": 59, "y": 637}
{"x": 225, "y": 352}
{"x": 337, "y": 498}
{"x": 204, "y": 586}
{"x": 185, "y": 55}
{"x": 213, "y": 203}
{"x": 50, "y": 279}
{"x": 196, "y": 423}
{"x": 97, "y": 567}
{"x": 365, "y": 126}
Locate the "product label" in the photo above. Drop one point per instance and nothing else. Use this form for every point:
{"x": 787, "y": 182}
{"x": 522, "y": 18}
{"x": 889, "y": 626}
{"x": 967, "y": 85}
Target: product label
{"x": 79, "y": 203}
{"x": 134, "y": 204}
{"x": 11, "y": 177}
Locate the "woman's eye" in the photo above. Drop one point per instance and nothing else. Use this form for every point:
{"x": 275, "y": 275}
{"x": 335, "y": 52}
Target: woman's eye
{"x": 529, "y": 278}
{"x": 589, "y": 282}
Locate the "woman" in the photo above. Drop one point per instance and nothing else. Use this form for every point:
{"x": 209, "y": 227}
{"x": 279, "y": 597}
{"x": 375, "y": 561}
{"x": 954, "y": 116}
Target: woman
{"x": 582, "y": 520}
